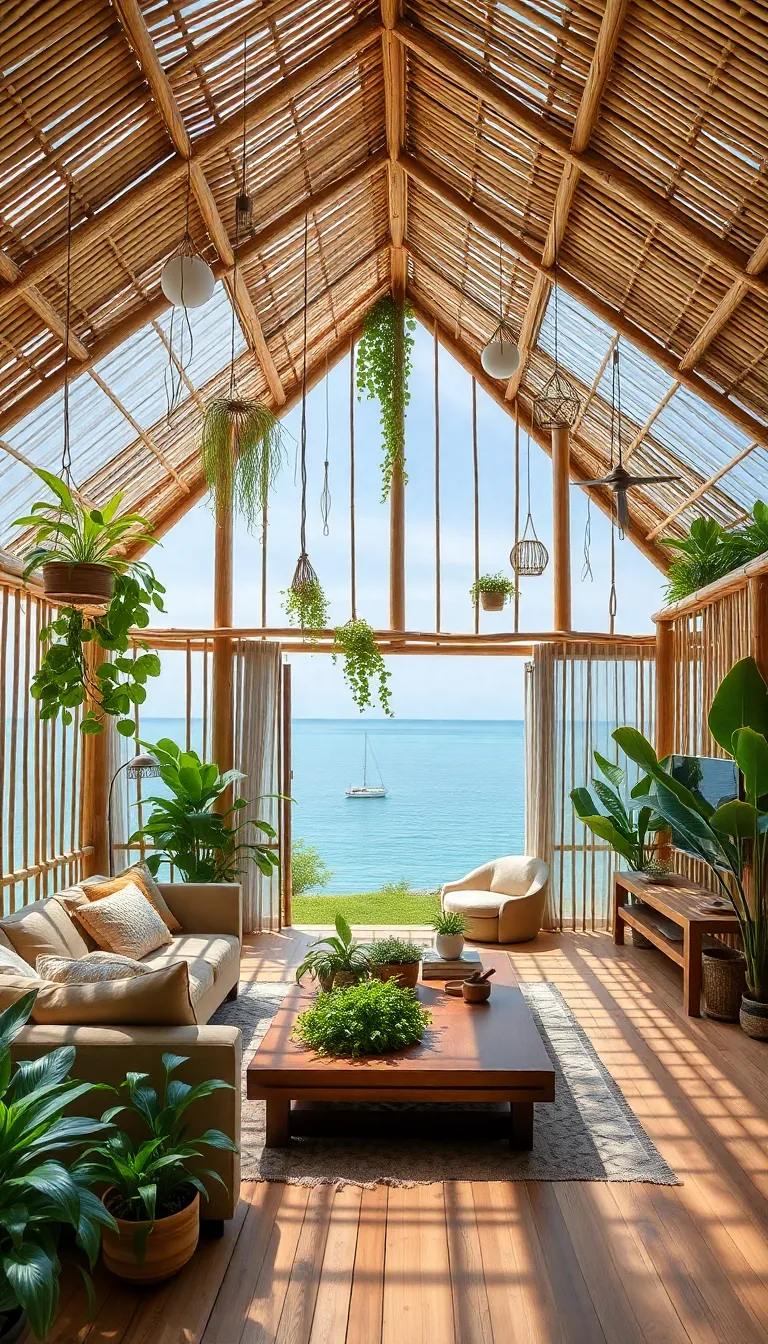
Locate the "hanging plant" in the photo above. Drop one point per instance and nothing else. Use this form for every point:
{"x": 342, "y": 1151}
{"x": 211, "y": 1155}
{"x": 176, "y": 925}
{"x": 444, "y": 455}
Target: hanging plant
{"x": 492, "y": 591}
{"x": 709, "y": 552}
{"x": 305, "y": 602}
{"x": 241, "y": 452}
{"x": 382, "y": 376}
{"x": 363, "y": 664}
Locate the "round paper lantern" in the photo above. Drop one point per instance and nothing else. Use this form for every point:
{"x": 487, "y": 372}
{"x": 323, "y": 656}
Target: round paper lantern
{"x": 187, "y": 281}
{"x": 501, "y": 357}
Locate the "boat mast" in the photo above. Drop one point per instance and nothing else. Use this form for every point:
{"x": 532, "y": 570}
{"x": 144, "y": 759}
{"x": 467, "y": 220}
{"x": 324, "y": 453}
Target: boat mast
{"x": 365, "y": 762}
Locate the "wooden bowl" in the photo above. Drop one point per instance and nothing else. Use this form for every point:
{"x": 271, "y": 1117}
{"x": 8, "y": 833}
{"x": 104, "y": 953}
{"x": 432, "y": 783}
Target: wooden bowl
{"x": 453, "y": 987}
{"x": 474, "y": 992}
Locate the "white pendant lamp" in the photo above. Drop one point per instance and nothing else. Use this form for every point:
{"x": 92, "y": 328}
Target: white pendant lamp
{"x": 501, "y": 357}
{"x": 186, "y": 280}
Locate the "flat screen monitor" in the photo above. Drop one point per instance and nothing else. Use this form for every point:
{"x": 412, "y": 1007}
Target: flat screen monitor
{"x": 709, "y": 778}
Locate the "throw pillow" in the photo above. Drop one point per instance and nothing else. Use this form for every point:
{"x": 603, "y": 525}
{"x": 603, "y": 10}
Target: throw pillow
{"x": 160, "y": 999}
{"x": 139, "y": 874}
{"x": 125, "y": 923}
{"x": 91, "y": 968}
{"x": 41, "y": 929}
{"x": 12, "y": 964}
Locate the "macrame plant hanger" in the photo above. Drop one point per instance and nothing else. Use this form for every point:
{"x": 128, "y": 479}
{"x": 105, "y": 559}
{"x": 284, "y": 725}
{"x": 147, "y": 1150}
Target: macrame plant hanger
{"x": 305, "y": 577}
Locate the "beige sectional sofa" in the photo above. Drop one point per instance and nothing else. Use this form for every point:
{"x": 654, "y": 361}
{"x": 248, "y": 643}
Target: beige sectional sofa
{"x": 210, "y": 942}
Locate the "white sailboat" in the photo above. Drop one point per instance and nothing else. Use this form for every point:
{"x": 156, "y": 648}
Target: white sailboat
{"x": 366, "y": 790}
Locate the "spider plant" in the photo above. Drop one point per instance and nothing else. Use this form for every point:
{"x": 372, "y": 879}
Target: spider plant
{"x": 69, "y": 532}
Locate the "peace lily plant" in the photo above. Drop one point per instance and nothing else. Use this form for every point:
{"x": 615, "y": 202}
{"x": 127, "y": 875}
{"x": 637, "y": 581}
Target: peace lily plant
{"x": 732, "y": 840}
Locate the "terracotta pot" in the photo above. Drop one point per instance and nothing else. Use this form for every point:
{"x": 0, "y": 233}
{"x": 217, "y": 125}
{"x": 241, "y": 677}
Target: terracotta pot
{"x": 12, "y": 1326}
{"x": 492, "y": 601}
{"x": 406, "y": 972}
{"x": 170, "y": 1245}
{"x": 754, "y": 1018}
{"x": 80, "y": 585}
{"x": 449, "y": 945}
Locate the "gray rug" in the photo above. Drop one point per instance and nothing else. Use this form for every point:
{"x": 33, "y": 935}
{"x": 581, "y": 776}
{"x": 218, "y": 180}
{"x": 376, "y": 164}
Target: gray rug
{"x": 588, "y": 1134}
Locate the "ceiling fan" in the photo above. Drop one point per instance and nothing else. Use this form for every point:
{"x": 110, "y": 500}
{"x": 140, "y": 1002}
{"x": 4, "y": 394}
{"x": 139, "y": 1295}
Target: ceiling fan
{"x": 618, "y": 479}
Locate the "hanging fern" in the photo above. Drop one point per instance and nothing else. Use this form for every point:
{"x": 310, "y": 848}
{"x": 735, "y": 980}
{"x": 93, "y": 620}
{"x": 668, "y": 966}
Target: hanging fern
{"x": 242, "y": 453}
{"x": 709, "y": 552}
{"x": 363, "y": 663}
{"x": 377, "y": 376}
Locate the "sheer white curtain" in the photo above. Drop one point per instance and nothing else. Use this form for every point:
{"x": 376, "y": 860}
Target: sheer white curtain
{"x": 257, "y": 754}
{"x": 576, "y": 694}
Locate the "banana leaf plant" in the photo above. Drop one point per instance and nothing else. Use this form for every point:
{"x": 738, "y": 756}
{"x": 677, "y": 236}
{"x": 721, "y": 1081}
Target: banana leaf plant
{"x": 732, "y": 838}
{"x": 44, "y": 1186}
{"x": 624, "y": 826}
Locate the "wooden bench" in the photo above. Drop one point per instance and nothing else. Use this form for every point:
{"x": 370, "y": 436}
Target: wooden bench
{"x": 679, "y": 900}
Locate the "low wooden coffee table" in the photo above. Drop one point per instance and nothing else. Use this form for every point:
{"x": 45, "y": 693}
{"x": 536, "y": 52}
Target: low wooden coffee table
{"x": 471, "y": 1053}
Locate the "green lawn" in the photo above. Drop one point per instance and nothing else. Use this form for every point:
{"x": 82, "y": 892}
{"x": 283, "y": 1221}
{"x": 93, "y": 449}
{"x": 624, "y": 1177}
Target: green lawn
{"x": 371, "y": 907}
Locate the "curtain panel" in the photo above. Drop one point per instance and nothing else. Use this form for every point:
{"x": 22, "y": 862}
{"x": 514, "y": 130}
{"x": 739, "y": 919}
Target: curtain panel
{"x": 576, "y": 694}
{"x": 257, "y": 755}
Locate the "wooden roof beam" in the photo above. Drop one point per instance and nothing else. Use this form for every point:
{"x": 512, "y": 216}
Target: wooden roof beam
{"x": 494, "y": 228}
{"x": 725, "y": 309}
{"x": 137, "y": 33}
{"x": 138, "y": 431}
{"x": 40, "y": 305}
{"x": 430, "y": 316}
{"x": 393, "y": 56}
{"x": 157, "y": 305}
{"x": 645, "y": 429}
{"x": 590, "y": 164}
{"x": 350, "y": 43}
{"x": 702, "y": 490}
{"x": 595, "y": 85}
{"x": 30, "y": 466}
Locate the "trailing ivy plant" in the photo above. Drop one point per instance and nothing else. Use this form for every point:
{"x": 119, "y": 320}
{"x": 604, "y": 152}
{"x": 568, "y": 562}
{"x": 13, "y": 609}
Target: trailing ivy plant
{"x": 382, "y": 376}
{"x": 709, "y": 551}
{"x": 306, "y": 606}
{"x": 363, "y": 664}
{"x": 64, "y": 682}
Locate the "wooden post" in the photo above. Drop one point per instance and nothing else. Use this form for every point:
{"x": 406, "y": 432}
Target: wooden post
{"x": 285, "y": 804}
{"x": 222, "y": 707}
{"x": 665, "y": 688}
{"x": 397, "y": 498}
{"x": 758, "y": 613}
{"x": 95, "y": 771}
{"x": 561, "y": 527}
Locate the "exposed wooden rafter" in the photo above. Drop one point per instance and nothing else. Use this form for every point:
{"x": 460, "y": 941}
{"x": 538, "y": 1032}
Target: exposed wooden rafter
{"x": 140, "y": 433}
{"x": 595, "y": 85}
{"x": 393, "y": 56}
{"x": 132, "y": 21}
{"x": 702, "y": 489}
{"x": 44, "y": 310}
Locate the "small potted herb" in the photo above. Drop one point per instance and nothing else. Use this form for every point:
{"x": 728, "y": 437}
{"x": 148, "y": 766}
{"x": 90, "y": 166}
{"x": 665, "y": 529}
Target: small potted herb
{"x": 395, "y": 959}
{"x": 449, "y": 934}
{"x": 152, "y": 1194}
{"x": 372, "y": 1018}
{"x": 492, "y": 591}
{"x": 335, "y": 962}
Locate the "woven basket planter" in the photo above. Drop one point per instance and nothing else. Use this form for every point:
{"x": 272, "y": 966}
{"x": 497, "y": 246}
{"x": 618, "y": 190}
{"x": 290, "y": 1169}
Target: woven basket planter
{"x": 78, "y": 585}
{"x": 724, "y": 975}
{"x": 753, "y": 1017}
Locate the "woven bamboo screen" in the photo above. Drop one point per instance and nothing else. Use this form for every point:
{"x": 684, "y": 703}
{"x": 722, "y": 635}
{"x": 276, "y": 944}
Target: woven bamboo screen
{"x": 40, "y": 781}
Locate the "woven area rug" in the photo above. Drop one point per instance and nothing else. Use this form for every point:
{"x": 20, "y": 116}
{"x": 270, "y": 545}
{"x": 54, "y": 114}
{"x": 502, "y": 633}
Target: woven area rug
{"x": 588, "y": 1134}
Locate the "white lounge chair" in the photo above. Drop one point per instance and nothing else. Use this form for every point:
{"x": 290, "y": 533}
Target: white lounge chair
{"x": 502, "y": 901}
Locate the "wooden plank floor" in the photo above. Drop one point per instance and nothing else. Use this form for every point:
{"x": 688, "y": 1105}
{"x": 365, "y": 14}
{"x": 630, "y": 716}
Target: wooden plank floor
{"x": 518, "y": 1263}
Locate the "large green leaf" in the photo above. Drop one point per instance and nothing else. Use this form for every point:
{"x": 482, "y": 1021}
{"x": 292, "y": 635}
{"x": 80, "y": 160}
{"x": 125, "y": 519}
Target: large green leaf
{"x": 639, "y": 749}
{"x": 750, "y": 751}
{"x": 737, "y": 819}
{"x": 59, "y": 488}
{"x": 606, "y": 829}
{"x": 613, "y": 773}
{"x": 613, "y": 805}
{"x": 12, "y": 1019}
{"x": 33, "y": 1073}
{"x": 54, "y": 1183}
{"x": 692, "y": 831}
{"x": 583, "y": 803}
{"x": 31, "y": 1274}
{"x": 741, "y": 701}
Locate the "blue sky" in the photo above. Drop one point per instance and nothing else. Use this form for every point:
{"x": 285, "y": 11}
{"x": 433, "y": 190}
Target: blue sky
{"x": 427, "y": 687}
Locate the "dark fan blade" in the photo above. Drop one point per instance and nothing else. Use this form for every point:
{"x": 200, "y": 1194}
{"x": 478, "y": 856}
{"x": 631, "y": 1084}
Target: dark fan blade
{"x": 651, "y": 480}
{"x": 622, "y": 511}
{"x": 601, "y": 481}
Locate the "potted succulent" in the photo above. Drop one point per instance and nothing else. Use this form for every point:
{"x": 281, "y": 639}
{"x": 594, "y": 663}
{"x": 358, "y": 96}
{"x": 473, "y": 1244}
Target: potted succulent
{"x": 370, "y": 1018}
{"x": 449, "y": 929}
{"x": 395, "y": 959}
{"x": 76, "y": 546}
{"x": 734, "y": 835}
{"x": 151, "y": 1193}
{"x": 335, "y": 962}
{"x": 186, "y": 831}
{"x": 492, "y": 591}
{"x": 39, "y": 1194}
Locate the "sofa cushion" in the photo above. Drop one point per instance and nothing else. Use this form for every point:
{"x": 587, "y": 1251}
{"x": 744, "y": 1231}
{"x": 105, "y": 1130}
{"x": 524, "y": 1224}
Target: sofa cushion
{"x": 478, "y": 904}
{"x": 125, "y": 922}
{"x": 87, "y": 970}
{"x": 97, "y": 887}
{"x": 206, "y": 955}
{"x": 11, "y": 963}
{"x": 161, "y": 998}
{"x": 43, "y": 929}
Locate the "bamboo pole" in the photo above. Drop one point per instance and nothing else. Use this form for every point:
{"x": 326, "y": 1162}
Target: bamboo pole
{"x": 475, "y": 504}
{"x": 665, "y": 689}
{"x": 758, "y": 610}
{"x": 285, "y": 804}
{"x": 561, "y": 527}
{"x": 95, "y": 770}
{"x": 222, "y": 745}
{"x": 397, "y": 493}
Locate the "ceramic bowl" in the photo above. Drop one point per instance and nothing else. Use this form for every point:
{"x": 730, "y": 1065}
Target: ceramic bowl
{"x": 474, "y": 992}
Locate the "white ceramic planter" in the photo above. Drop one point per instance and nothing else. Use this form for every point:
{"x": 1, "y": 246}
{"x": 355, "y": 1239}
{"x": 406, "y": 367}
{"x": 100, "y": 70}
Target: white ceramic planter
{"x": 449, "y": 945}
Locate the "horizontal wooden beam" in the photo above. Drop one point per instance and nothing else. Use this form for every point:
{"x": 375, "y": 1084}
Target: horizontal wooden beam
{"x": 158, "y": 304}
{"x": 592, "y": 165}
{"x": 494, "y": 228}
{"x": 179, "y": 635}
{"x": 130, "y": 204}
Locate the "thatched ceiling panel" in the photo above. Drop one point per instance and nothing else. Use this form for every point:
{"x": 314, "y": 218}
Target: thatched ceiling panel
{"x": 685, "y": 111}
{"x": 75, "y": 107}
{"x": 541, "y": 53}
{"x": 737, "y": 359}
{"x": 28, "y": 352}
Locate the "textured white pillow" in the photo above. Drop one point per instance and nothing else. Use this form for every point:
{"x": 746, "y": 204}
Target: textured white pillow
{"x": 93, "y": 967}
{"x": 125, "y": 923}
{"x": 12, "y": 964}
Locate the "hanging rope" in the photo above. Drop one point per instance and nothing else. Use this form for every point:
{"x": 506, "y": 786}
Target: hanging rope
{"x": 304, "y": 577}
{"x": 352, "y": 558}
{"x": 586, "y": 569}
{"x": 438, "y": 593}
{"x": 66, "y": 452}
{"x": 180, "y": 328}
{"x": 612, "y": 599}
{"x": 325, "y": 497}
{"x": 515, "y": 552}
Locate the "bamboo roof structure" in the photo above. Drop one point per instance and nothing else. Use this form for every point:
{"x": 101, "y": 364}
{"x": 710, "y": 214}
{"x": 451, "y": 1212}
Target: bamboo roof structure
{"x": 623, "y": 140}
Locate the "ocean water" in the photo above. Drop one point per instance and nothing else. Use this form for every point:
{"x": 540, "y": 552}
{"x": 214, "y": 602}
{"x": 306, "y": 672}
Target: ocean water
{"x": 456, "y": 798}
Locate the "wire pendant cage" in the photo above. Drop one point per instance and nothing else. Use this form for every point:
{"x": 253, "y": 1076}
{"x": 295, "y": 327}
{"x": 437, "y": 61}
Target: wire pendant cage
{"x": 529, "y": 557}
{"x": 557, "y": 404}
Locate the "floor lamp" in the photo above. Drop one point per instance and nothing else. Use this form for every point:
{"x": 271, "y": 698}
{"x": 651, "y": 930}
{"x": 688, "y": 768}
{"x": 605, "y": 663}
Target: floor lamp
{"x": 143, "y": 766}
